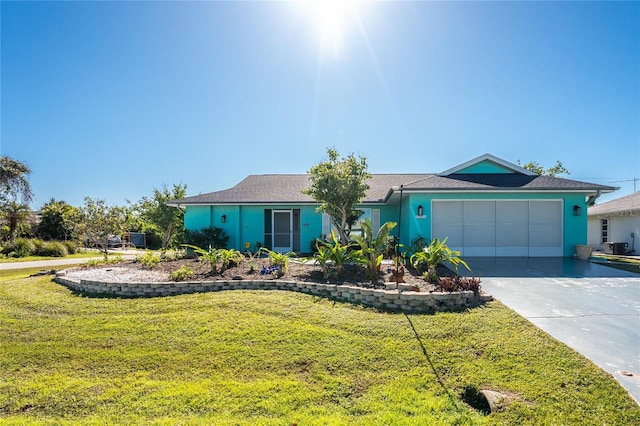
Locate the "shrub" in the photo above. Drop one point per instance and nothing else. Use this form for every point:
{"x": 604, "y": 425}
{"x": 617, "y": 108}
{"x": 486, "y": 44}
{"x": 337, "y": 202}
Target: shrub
{"x": 38, "y": 244}
{"x": 458, "y": 283}
{"x": 54, "y": 249}
{"x": 72, "y": 248}
{"x": 206, "y": 237}
{"x": 21, "y": 247}
{"x": 115, "y": 259}
{"x": 182, "y": 274}
{"x": 470, "y": 284}
{"x": 95, "y": 262}
{"x": 148, "y": 260}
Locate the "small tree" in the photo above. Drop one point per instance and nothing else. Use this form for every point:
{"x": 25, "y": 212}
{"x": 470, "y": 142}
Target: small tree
{"x": 339, "y": 184}
{"x": 168, "y": 219}
{"x": 554, "y": 171}
{"x": 58, "y": 220}
{"x": 14, "y": 181}
{"x": 99, "y": 222}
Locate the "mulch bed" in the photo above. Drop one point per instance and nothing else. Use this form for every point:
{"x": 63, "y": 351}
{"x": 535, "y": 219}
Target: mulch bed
{"x": 302, "y": 272}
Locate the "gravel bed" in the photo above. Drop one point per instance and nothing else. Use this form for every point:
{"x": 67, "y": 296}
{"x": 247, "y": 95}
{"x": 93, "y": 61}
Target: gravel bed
{"x": 118, "y": 274}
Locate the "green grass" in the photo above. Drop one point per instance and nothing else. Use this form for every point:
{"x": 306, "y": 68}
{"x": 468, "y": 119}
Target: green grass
{"x": 278, "y": 358}
{"x": 618, "y": 262}
{"x": 87, "y": 254}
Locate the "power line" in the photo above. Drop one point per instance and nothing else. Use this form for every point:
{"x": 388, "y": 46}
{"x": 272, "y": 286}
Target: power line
{"x": 634, "y": 180}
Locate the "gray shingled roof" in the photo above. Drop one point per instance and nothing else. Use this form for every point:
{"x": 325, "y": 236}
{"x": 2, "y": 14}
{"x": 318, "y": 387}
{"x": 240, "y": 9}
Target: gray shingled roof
{"x": 283, "y": 188}
{"x": 624, "y": 206}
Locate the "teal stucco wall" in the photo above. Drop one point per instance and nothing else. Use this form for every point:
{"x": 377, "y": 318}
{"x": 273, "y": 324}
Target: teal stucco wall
{"x": 245, "y": 224}
{"x": 574, "y": 227}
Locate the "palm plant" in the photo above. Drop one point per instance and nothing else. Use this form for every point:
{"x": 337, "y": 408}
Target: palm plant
{"x": 281, "y": 260}
{"x": 230, "y": 257}
{"x": 372, "y": 248}
{"x": 435, "y": 254}
{"x": 333, "y": 253}
{"x": 16, "y": 216}
{"x": 211, "y": 256}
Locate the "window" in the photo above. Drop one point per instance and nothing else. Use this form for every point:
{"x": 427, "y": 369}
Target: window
{"x": 356, "y": 228}
{"x": 604, "y": 227}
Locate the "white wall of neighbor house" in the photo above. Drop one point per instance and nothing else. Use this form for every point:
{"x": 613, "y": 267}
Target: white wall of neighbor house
{"x": 618, "y": 230}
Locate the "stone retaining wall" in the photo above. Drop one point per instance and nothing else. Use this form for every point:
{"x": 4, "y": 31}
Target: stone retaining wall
{"x": 395, "y": 300}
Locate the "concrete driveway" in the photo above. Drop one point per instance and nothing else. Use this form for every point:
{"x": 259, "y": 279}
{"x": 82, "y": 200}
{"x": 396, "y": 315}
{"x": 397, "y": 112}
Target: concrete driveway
{"x": 592, "y": 308}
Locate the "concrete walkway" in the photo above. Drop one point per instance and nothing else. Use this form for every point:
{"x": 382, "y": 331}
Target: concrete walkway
{"x": 55, "y": 263}
{"x": 592, "y": 308}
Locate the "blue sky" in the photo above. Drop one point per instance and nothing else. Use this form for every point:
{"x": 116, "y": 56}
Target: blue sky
{"x": 113, "y": 99}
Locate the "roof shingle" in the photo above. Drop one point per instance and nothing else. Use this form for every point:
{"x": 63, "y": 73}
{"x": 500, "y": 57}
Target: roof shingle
{"x": 287, "y": 188}
{"x": 628, "y": 205}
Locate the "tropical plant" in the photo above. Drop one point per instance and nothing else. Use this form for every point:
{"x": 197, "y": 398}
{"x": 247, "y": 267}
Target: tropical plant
{"x": 57, "y": 220}
{"x": 458, "y": 283}
{"x": 339, "y": 184}
{"x": 211, "y": 256}
{"x": 435, "y": 254}
{"x": 230, "y": 258}
{"x": 17, "y": 217}
{"x": 334, "y": 255}
{"x": 372, "y": 248}
{"x": 280, "y": 260}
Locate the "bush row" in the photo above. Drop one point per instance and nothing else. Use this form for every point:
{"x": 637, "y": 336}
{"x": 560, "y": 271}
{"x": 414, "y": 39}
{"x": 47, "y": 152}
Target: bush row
{"x": 23, "y": 247}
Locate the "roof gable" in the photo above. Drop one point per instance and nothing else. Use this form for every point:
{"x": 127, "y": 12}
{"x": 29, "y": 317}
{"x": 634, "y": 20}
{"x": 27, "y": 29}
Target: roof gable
{"x": 487, "y": 164}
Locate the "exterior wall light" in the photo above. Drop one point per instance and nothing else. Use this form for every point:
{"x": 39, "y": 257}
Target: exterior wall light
{"x": 577, "y": 210}
{"x": 223, "y": 219}
{"x": 420, "y": 211}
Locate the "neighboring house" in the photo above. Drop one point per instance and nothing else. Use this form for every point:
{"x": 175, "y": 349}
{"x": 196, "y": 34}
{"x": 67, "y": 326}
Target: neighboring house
{"x": 616, "y": 221}
{"x": 485, "y": 207}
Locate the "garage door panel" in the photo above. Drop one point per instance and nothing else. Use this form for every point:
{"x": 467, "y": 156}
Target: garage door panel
{"x": 545, "y": 235}
{"x": 545, "y": 211}
{"x": 512, "y": 212}
{"x": 453, "y": 233}
{"x": 446, "y": 212}
{"x": 479, "y": 235}
{"x": 512, "y": 235}
{"x": 479, "y": 212}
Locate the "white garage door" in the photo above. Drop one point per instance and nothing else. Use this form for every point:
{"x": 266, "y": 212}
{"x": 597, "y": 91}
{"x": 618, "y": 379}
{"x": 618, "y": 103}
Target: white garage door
{"x": 500, "y": 228}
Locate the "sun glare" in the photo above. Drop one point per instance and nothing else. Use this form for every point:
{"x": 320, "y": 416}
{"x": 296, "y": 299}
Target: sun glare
{"x": 331, "y": 19}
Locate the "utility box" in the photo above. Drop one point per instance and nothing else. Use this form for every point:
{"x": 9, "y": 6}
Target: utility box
{"x": 615, "y": 248}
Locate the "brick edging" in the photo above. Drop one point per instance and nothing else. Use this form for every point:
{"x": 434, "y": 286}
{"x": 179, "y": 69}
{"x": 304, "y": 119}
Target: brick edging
{"x": 394, "y": 300}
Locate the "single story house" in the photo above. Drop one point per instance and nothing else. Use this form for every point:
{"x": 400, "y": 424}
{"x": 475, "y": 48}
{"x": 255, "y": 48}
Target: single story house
{"x": 616, "y": 221}
{"x": 485, "y": 207}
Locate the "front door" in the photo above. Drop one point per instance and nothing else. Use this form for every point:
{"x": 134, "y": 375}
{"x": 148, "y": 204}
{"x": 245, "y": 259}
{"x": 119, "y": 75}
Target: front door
{"x": 282, "y": 231}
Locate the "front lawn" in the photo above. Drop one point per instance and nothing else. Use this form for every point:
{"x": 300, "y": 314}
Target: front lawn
{"x": 278, "y": 358}
{"x": 83, "y": 255}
